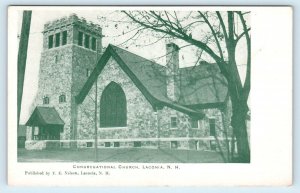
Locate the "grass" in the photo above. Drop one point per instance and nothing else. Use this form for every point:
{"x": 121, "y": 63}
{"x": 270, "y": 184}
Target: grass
{"x": 120, "y": 155}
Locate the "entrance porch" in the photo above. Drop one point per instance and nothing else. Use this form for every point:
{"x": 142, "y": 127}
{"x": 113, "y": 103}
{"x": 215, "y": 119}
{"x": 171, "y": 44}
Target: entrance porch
{"x": 43, "y": 125}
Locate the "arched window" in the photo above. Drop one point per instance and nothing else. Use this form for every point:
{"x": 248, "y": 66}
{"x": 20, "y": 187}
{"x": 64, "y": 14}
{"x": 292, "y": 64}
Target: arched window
{"x": 62, "y": 98}
{"x": 113, "y": 110}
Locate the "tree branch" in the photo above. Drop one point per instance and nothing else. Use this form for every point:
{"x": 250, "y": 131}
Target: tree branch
{"x": 222, "y": 26}
{"x": 183, "y": 36}
{"x": 246, "y": 89}
{"x": 180, "y": 35}
{"x": 214, "y": 34}
{"x": 241, "y": 35}
{"x": 170, "y": 26}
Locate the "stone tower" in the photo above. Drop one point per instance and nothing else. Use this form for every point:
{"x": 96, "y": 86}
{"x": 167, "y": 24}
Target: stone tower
{"x": 71, "y": 48}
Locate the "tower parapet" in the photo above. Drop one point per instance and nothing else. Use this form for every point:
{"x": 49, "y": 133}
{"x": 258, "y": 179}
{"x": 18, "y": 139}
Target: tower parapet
{"x": 72, "y": 30}
{"x": 75, "y": 21}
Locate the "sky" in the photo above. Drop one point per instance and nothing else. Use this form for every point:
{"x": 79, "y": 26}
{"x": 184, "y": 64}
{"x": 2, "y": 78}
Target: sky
{"x": 112, "y": 35}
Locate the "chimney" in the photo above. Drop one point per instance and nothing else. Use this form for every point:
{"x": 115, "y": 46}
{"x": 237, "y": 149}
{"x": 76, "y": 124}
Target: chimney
{"x": 172, "y": 73}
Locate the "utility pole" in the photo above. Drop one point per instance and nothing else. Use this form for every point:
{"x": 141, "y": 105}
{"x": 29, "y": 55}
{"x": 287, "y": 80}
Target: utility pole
{"x": 96, "y": 128}
{"x": 158, "y": 128}
{"x": 22, "y": 56}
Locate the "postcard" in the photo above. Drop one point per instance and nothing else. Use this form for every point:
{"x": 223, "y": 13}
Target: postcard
{"x": 149, "y": 96}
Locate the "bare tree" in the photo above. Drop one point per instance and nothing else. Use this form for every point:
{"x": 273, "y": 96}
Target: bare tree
{"x": 219, "y": 41}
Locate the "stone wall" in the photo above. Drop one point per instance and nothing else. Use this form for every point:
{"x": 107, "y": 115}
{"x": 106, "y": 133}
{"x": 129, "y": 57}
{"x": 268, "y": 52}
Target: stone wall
{"x": 83, "y": 59}
{"x": 72, "y": 25}
{"x": 63, "y": 71}
{"x": 35, "y": 145}
{"x": 55, "y": 79}
{"x": 28, "y": 133}
{"x": 142, "y": 121}
{"x": 172, "y": 71}
{"x": 140, "y": 114}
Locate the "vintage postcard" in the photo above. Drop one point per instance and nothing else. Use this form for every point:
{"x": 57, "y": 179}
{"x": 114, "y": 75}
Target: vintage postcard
{"x": 149, "y": 96}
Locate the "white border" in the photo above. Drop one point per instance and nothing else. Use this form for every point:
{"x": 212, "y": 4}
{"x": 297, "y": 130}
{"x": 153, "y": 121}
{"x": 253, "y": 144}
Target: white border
{"x": 271, "y": 124}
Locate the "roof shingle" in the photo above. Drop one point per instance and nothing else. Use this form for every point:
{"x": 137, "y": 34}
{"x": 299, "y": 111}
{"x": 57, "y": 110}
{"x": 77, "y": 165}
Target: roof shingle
{"x": 199, "y": 85}
{"x": 44, "y": 116}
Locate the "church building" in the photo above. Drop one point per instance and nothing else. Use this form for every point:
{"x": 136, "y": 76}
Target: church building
{"x": 122, "y": 98}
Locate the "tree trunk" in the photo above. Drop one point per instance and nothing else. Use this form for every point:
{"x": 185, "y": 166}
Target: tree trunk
{"x": 239, "y": 106}
{"x": 238, "y": 122}
{"x": 239, "y": 112}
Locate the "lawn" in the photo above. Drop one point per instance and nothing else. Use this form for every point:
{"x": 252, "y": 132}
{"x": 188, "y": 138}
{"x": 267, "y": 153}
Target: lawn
{"x": 121, "y": 155}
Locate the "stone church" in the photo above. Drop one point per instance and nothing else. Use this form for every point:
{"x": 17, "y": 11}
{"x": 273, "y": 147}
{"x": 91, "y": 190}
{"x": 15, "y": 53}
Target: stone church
{"x": 122, "y": 98}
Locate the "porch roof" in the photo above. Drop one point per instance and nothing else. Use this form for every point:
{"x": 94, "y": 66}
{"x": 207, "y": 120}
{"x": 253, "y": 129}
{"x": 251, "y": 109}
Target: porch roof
{"x": 43, "y": 116}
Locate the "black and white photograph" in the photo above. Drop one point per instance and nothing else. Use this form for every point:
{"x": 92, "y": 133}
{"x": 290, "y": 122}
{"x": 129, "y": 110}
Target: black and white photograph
{"x": 112, "y": 90}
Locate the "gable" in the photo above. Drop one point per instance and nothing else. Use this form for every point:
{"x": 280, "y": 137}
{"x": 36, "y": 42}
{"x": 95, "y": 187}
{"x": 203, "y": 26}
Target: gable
{"x": 45, "y": 116}
{"x": 150, "y": 78}
{"x": 149, "y": 73}
{"x": 109, "y": 53}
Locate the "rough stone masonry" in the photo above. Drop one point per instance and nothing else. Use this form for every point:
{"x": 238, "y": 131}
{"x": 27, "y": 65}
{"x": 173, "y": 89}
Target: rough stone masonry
{"x": 72, "y": 47}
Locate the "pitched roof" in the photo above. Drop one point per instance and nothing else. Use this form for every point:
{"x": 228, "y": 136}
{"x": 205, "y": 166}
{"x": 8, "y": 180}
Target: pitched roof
{"x": 197, "y": 86}
{"x": 150, "y": 74}
{"x": 202, "y": 85}
{"x": 42, "y": 116}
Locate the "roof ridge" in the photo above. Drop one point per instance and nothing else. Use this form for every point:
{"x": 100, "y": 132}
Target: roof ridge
{"x": 197, "y": 66}
{"x": 155, "y": 90}
{"x": 113, "y": 46}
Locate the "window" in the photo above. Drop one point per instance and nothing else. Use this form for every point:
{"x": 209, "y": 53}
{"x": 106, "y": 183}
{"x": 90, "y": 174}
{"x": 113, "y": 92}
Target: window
{"x": 116, "y": 144}
{"x": 106, "y": 144}
{"x": 50, "y": 41}
{"x": 93, "y": 43}
{"x": 113, "y": 107}
{"x": 62, "y": 98}
{"x": 64, "y": 37}
{"x": 137, "y": 144}
{"x": 87, "y": 72}
{"x": 46, "y": 100}
{"x": 173, "y": 122}
{"x": 86, "y": 41}
{"x": 57, "y": 39}
{"x": 80, "y": 38}
{"x": 194, "y": 123}
{"x": 212, "y": 127}
{"x": 89, "y": 144}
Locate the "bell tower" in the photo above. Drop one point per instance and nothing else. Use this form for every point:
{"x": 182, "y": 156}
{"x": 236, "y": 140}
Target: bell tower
{"x": 71, "y": 48}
